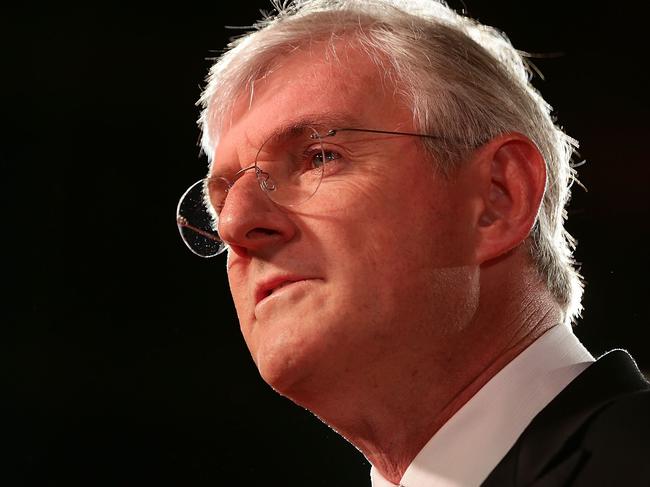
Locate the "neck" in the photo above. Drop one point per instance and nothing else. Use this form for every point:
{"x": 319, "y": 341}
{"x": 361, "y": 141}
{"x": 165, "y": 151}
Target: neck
{"x": 390, "y": 410}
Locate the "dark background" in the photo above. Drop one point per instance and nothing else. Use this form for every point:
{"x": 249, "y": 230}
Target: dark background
{"x": 122, "y": 362}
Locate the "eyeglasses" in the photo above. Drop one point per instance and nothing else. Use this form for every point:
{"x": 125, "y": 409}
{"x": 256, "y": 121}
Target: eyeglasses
{"x": 289, "y": 168}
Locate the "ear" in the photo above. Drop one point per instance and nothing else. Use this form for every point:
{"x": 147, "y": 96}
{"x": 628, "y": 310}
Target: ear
{"x": 510, "y": 176}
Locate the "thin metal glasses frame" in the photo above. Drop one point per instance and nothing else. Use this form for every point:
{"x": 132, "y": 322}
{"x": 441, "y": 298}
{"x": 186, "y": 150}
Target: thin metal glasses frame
{"x": 263, "y": 179}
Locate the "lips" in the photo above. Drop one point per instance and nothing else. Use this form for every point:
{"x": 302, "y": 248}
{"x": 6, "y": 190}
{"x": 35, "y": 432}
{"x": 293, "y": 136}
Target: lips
{"x": 268, "y": 287}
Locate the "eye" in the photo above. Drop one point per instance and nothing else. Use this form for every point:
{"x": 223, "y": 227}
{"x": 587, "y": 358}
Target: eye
{"x": 321, "y": 156}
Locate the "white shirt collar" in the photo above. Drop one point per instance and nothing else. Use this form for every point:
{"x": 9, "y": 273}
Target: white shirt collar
{"x": 467, "y": 448}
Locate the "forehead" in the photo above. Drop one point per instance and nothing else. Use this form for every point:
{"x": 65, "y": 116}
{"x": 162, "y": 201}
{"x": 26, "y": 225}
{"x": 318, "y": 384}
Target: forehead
{"x": 334, "y": 84}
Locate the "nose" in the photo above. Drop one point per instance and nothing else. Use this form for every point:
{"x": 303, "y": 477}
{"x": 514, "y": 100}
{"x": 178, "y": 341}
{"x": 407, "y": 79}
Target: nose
{"x": 250, "y": 222}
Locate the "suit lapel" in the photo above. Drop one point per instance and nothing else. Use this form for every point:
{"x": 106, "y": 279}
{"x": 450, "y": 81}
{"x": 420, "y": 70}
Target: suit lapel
{"x": 548, "y": 453}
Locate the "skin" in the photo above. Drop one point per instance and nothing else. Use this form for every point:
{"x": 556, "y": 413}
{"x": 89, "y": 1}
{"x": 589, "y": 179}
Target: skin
{"x": 419, "y": 286}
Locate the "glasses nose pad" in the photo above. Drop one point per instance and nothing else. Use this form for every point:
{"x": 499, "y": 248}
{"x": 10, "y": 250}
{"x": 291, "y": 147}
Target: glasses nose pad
{"x": 266, "y": 183}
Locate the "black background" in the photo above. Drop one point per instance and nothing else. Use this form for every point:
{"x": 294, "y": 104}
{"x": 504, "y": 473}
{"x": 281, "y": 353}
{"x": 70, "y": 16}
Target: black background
{"x": 122, "y": 362}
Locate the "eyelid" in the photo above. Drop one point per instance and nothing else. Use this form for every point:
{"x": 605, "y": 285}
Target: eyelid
{"x": 326, "y": 146}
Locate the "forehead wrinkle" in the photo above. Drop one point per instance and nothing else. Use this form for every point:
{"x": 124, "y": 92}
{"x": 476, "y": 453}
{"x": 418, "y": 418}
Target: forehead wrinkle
{"x": 334, "y": 120}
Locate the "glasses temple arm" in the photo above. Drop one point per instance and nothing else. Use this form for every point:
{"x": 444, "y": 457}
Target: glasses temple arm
{"x": 182, "y": 222}
{"x": 388, "y": 132}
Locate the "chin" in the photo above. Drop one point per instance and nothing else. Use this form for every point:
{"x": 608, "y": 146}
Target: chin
{"x": 280, "y": 366}
{"x": 290, "y": 364}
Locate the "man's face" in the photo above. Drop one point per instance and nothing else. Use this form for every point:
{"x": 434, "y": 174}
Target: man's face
{"x": 371, "y": 269}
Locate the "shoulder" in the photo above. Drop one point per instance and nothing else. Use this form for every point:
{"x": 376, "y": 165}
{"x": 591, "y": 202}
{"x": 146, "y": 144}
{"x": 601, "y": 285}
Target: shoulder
{"x": 629, "y": 413}
{"x": 625, "y": 421}
{"x": 615, "y": 449}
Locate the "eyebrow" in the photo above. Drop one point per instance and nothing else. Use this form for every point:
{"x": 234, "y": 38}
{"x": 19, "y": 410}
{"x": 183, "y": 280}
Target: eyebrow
{"x": 334, "y": 120}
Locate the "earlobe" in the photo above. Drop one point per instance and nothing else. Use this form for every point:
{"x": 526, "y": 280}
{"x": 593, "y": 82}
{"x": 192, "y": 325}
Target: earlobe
{"x": 512, "y": 179}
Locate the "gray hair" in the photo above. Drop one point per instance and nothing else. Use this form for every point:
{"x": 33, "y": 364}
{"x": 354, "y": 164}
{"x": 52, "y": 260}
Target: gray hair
{"x": 464, "y": 81}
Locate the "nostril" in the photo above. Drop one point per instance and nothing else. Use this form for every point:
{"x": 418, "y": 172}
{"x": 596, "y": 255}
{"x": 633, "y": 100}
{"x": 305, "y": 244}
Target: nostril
{"x": 261, "y": 231}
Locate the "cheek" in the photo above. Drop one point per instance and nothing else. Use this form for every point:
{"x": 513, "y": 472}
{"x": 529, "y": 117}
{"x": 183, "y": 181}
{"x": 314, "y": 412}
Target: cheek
{"x": 410, "y": 232}
{"x": 398, "y": 250}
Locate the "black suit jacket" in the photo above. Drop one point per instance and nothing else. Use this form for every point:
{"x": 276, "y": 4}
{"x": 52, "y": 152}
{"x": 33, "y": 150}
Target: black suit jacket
{"x": 596, "y": 432}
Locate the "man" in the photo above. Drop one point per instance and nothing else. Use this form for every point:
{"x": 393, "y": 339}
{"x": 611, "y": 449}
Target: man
{"x": 390, "y": 191}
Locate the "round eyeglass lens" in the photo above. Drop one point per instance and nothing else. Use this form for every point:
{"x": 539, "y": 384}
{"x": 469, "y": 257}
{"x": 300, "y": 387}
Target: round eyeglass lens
{"x": 290, "y": 165}
{"x": 196, "y": 219}
{"x": 289, "y": 169}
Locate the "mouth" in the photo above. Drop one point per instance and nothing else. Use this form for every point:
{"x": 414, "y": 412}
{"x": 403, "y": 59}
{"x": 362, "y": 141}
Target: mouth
{"x": 267, "y": 288}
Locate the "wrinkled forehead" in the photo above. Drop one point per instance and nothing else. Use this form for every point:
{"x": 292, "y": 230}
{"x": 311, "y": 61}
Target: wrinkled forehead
{"x": 334, "y": 83}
